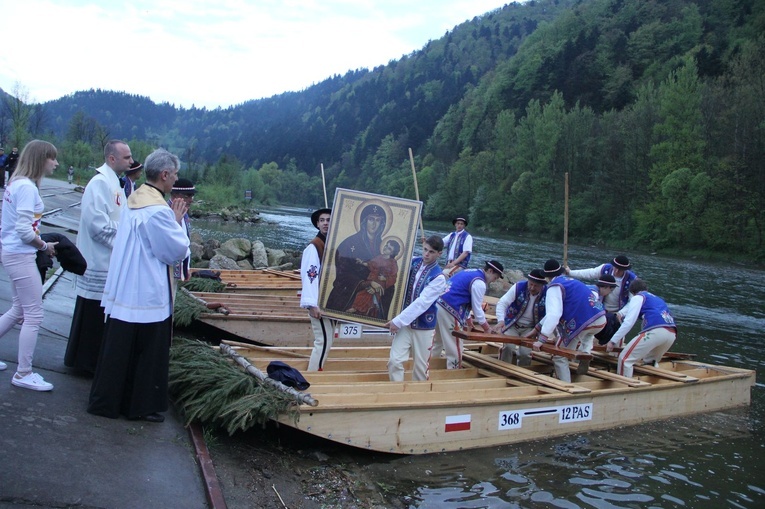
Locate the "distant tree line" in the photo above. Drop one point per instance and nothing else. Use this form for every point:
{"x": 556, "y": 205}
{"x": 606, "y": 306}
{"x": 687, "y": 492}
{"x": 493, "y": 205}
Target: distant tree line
{"x": 655, "y": 109}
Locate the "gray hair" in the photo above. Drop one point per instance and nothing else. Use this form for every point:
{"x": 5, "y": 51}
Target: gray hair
{"x": 160, "y": 160}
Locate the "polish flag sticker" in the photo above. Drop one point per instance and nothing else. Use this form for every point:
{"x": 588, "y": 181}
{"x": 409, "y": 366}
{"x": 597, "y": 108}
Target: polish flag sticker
{"x": 457, "y": 423}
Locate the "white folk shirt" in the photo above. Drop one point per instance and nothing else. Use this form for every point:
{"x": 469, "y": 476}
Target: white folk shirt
{"x": 149, "y": 241}
{"x": 527, "y": 317}
{"x": 630, "y": 313}
{"x": 553, "y": 310}
{"x": 102, "y": 204}
{"x": 310, "y": 269}
{"x": 467, "y": 247}
{"x": 611, "y": 302}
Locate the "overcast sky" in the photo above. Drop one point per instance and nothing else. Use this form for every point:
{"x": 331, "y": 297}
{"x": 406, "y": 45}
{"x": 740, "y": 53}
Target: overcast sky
{"x": 209, "y": 53}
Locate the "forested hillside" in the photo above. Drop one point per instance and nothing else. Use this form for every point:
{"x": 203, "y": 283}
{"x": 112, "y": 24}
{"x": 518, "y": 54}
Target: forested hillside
{"x": 656, "y": 109}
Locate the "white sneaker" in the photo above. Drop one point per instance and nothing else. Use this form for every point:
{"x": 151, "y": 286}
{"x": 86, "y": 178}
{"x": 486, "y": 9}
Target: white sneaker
{"x": 32, "y": 381}
{"x": 3, "y": 366}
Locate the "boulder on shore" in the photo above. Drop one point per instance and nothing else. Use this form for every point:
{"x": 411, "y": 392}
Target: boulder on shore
{"x": 209, "y": 247}
{"x": 236, "y": 249}
{"x": 259, "y": 255}
{"x": 276, "y": 257}
{"x": 220, "y": 261}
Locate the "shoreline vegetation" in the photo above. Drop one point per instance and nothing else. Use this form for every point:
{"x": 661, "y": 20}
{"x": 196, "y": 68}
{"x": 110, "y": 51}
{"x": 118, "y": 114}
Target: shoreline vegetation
{"x": 226, "y": 212}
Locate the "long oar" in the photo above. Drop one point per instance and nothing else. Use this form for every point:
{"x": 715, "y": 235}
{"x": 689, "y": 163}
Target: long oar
{"x": 324, "y": 185}
{"x": 565, "y": 225}
{"x": 416, "y": 190}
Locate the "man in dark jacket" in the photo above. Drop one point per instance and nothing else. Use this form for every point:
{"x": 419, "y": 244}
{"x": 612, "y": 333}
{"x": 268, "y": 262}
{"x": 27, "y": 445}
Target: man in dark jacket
{"x": 3, "y": 159}
{"x": 11, "y": 161}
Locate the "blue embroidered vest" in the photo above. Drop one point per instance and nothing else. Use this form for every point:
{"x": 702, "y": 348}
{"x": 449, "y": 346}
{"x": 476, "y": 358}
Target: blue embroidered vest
{"x": 627, "y": 279}
{"x": 427, "y": 320}
{"x": 580, "y": 307}
{"x": 655, "y": 313}
{"x": 518, "y": 306}
{"x": 457, "y": 300}
{"x": 460, "y": 239}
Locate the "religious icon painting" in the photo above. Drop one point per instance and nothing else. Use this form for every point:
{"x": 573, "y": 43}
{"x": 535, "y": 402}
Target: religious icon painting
{"x": 367, "y": 256}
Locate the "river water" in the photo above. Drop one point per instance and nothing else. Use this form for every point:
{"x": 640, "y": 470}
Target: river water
{"x": 705, "y": 461}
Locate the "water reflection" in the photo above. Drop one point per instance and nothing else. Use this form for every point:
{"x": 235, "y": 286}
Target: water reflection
{"x": 704, "y": 461}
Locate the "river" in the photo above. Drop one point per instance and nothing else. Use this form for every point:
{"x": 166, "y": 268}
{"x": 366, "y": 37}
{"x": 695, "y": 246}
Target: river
{"x": 704, "y": 461}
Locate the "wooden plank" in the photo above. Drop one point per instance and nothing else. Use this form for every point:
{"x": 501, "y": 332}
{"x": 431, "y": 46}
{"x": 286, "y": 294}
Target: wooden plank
{"x": 515, "y": 340}
{"x": 650, "y": 370}
{"x": 666, "y": 357}
{"x": 387, "y": 400}
{"x": 603, "y": 374}
{"x": 503, "y": 368}
{"x": 281, "y": 273}
{"x": 322, "y": 377}
{"x": 431, "y": 386}
{"x": 355, "y": 352}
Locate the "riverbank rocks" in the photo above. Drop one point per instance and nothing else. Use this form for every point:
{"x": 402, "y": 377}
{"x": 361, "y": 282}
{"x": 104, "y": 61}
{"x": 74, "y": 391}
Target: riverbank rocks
{"x": 228, "y": 214}
{"x": 220, "y": 261}
{"x": 240, "y": 254}
{"x": 244, "y": 265}
{"x": 236, "y": 249}
{"x": 197, "y": 252}
{"x": 258, "y": 255}
{"x": 500, "y": 287}
{"x": 275, "y": 256}
{"x": 209, "y": 248}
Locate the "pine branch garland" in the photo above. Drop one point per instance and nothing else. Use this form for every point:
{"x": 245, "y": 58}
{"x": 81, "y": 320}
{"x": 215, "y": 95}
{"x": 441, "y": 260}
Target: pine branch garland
{"x": 186, "y": 309}
{"x": 201, "y": 284}
{"x": 209, "y": 388}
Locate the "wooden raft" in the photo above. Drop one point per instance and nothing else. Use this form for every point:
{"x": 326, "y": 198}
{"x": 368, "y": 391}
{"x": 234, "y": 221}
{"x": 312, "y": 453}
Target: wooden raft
{"x": 486, "y": 404}
{"x": 275, "y": 320}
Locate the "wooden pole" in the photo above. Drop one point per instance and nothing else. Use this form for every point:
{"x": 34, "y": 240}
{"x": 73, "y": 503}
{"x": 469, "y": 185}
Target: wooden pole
{"x": 416, "y": 190}
{"x": 324, "y": 185}
{"x": 252, "y": 370}
{"x": 565, "y": 225}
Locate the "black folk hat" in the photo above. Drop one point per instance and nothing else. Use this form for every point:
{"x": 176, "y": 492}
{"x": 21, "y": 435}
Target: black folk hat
{"x": 622, "y": 262}
{"x": 184, "y": 186}
{"x": 316, "y": 214}
{"x": 537, "y": 275}
{"x": 496, "y": 267}
{"x": 136, "y": 166}
{"x": 606, "y": 280}
{"x": 552, "y": 268}
{"x": 460, "y": 218}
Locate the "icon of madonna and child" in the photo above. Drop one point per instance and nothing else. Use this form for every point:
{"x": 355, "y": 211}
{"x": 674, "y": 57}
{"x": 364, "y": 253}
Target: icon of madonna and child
{"x": 369, "y": 265}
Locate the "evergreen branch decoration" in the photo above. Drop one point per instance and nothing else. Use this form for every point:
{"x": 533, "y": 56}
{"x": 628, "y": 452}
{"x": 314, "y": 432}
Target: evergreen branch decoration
{"x": 210, "y": 389}
{"x": 186, "y": 309}
{"x": 201, "y": 284}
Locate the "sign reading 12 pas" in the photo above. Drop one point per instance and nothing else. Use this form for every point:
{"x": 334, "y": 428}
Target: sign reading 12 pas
{"x": 514, "y": 419}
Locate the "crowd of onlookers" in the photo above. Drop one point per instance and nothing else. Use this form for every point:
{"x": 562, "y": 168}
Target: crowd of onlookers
{"x": 135, "y": 245}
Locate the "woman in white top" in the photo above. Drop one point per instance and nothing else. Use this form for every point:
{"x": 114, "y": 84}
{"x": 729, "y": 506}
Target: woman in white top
{"x": 22, "y": 212}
